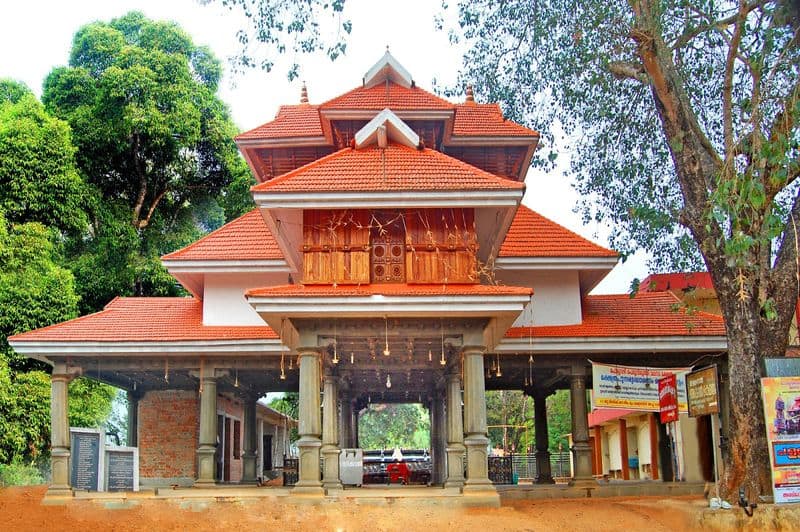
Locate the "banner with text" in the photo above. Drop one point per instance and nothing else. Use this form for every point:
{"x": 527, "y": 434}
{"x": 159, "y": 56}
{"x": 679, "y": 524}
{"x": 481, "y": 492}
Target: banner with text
{"x": 781, "y": 397}
{"x": 633, "y": 387}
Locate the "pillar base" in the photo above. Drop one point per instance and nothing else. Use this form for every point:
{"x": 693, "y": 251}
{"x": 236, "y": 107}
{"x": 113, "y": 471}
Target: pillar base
{"x": 455, "y": 466}
{"x": 477, "y": 464}
{"x": 308, "y": 474}
{"x": 205, "y": 466}
{"x": 545, "y": 479}
{"x": 545, "y": 475}
{"x": 582, "y": 459}
{"x": 481, "y": 495}
{"x": 249, "y": 468}
{"x": 57, "y": 495}
{"x": 330, "y": 472}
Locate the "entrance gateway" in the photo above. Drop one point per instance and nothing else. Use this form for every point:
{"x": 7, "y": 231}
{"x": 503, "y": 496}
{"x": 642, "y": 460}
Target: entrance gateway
{"x": 388, "y": 259}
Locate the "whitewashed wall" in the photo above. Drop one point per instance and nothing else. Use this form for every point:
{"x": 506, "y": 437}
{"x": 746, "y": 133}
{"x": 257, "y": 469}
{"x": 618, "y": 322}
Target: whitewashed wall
{"x": 223, "y": 298}
{"x": 556, "y": 296}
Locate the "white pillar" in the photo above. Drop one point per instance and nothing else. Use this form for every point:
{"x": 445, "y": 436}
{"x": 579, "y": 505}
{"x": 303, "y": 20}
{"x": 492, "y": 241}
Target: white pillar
{"x": 475, "y": 430}
{"x": 208, "y": 428}
{"x": 330, "y": 435}
{"x": 59, "y": 432}
{"x": 310, "y": 424}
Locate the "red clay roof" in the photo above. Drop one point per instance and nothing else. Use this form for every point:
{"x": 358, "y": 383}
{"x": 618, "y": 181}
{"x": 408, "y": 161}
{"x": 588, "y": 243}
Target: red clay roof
{"x": 391, "y": 95}
{"x": 662, "y": 282}
{"x": 291, "y": 121}
{"x": 602, "y": 415}
{"x": 647, "y": 314}
{"x": 144, "y": 319}
{"x": 533, "y": 235}
{"x": 395, "y": 168}
{"x": 486, "y": 120}
{"x": 245, "y": 238}
{"x": 388, "y": 289}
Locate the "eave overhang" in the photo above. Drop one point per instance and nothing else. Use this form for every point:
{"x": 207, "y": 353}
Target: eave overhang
{"x": 613, "y": 344}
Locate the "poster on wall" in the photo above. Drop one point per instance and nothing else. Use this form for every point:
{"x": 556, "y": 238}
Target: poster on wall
{"x": 633, "y": 387}
{"x": 781, "y": 396}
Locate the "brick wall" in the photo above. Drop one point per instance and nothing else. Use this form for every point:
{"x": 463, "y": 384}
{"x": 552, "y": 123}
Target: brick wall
{"x": 169, "y": 424}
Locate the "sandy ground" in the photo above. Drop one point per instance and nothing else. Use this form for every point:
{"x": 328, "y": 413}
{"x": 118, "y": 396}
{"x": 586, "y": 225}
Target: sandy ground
{"x": 21, "y": 510}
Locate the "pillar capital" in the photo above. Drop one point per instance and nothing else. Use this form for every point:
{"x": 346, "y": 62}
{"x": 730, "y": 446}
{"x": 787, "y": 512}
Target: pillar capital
{"x": 308, "y": 351}
{"x": 473, "y": 349}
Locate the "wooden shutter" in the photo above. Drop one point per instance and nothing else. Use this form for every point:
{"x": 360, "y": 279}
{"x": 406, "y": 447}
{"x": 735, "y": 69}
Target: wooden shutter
{"x": 335, "y": 247}
{"x": 441, "y": 246}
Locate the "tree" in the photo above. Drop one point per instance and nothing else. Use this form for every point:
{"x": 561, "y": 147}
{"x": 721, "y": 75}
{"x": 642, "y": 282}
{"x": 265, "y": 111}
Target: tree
{"x": 38, "y": 177}
{"x": 509, "y": 414}
{"x": 385, "y": 426}
{"x": 684, "y": 117}
{"x": 153, "y": 139}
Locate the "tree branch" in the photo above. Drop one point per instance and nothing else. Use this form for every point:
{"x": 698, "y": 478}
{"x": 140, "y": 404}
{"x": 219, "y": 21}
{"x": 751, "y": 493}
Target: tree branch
{"x": 727, "y": 86}
{"x": 628, "y": 70}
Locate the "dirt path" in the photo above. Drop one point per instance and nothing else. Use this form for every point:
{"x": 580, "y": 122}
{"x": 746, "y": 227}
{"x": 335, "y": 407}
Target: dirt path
{"x": 21, "y": 510}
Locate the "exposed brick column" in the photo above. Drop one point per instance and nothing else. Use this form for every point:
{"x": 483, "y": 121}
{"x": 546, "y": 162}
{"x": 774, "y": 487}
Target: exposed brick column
{"x": 455, "y": 433}
{"x": 475, "y": 430}
{"x": 581, "y": 451}
{"x": 544, "y": 475}
{"x": 330, "y": 435}
{"x": 208, "y": 428}
{"x": 59, "y": 432}
{"x": 310, "y": 423}
{"x": 249, "y": 472}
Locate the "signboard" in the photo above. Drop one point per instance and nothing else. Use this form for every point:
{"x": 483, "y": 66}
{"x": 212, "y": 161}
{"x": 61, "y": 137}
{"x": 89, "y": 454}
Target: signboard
{"x": 86, "y": 460}
{"x": 122, "y": 469}
{"x": 668, "y": 398}
{"x": 633, "y": 387}
{"x": 702, "y": 392}
{"x": 781, "y": 396}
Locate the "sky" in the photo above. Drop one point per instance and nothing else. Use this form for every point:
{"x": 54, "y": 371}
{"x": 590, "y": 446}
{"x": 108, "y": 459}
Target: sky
{"x": 35, "y": 36}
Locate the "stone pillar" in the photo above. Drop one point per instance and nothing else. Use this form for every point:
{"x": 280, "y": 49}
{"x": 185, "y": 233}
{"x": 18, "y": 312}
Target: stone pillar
{"x": 455, "y": 434}
{"x": 330, "y": 435}
{"x": 310, "y": 424}
{"x": 345, "y": 418}
{"x": 435, "y": 436}
{"x": 249, "y": 473}
{"x": 581, "y": 451}
{"x": 59, "y": 433}
{"x": 544, "y": 475}
{"x": 132, "y": 438}
{"x": 440, "y": 464}
{"x": 475, "y": 431}
{"x": 208, "y": 428}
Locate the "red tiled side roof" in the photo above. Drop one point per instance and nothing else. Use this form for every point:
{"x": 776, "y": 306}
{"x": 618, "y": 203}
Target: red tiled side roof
{"x": 396, "y": 168}
{"x": 291, "y": 121}
{"x": 647, "y": 314}
{"x": 602, "y": 415}
{"x": 245, "y": 238}
{"x": 391, "y": 95}
{"x": 486, "y": 120}
{"x": 144, "y": 319}
{"x": 533, "y": 235}
{"x": 661, "y": 282}
{"x": 388, "y": 289}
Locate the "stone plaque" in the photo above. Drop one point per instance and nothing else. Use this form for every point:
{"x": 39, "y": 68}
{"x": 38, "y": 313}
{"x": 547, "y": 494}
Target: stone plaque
{"x": 702, "y": 392}
{"x": 122, "y": 469}
{"x": 86, "y": 461}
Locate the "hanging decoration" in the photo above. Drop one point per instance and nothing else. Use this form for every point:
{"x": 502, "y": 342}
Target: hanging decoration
{"x": 388, "y": 380}
{"x": 352, "y": 357}
{"x": 280, "y": 339}
{"x": 335, "y": 359}
{"x": 442, "y": 361}
{"x": 530, "y": 370}
{"x": 166, "y": 370}
{"x": 499, "y": 373}
{"x": 386, "y": 351}
{"x": 430, "y": 355}
{"x": 236, "y": 380}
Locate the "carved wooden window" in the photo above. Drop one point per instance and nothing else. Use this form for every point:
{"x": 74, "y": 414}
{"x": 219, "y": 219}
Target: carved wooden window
{"x": 441, "y": 246}
{"x": 388, "y": 257}
{"x": 335, "y": 247}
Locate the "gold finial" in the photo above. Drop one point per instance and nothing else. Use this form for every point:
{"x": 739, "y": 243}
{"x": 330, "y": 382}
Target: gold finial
{"x": 304, "y": 94}
{"x": 470, "y": 97}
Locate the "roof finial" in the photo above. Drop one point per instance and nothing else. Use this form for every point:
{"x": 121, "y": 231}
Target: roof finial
{"x": 304, "y": 94}
{"x": 470, "y": 97}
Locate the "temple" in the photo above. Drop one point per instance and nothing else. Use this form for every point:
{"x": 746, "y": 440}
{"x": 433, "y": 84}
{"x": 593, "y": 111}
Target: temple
{"x": 388, "y": 259}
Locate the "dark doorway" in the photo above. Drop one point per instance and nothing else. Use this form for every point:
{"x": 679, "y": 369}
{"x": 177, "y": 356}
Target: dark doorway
{"x": 705, "y": 449}
{"x": 226, "y": 454}
{"x": 218, "y": 452}
{"x": 267, "y": 443}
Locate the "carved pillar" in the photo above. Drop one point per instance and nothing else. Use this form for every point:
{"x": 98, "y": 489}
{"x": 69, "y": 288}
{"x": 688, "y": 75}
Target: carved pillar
{"x": 133, "y": 418}
{"x": 345, "y": 418}
{"x": 581, "y": 451}
{"x": 249, "y": 473}
{"x": 475, "y": 431}
{"x": 208, "y": 428}
{"x": 59, "y": 432}
{"x": 310, "y": 425}
{"x": 330, "y": 435}
{"x": 455, "y": 433}
{"x": 440, "y": 465}
{"x": 544, "y": 475}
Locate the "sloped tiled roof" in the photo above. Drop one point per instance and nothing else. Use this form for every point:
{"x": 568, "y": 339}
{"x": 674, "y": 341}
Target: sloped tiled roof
{"x": 486, "y": 120}
{"x": 661, "y": 282}
{"x": 144, "y": 319}
{"x": 388, "y": 289}
{"x": 291, "y": 121}
{"x": 391, "y": 95}
{"x": 245, "y": 238}
{"x": 395, "y": 168}
{"x": 533, "y": 235}
{"x": 647, "y": 314}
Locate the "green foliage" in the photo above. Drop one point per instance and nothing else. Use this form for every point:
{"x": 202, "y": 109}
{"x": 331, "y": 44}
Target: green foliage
{"x": 24, "y": 415}
{"x": 279, "y": 27}
{"x": 289, "y": 404}
{"x": 17, "y": 474}
{"x": 509, "y": 415}
{"x": 38, "y": 177}
{"x": 559, "y": 420}
{"x": 385, "y": 426}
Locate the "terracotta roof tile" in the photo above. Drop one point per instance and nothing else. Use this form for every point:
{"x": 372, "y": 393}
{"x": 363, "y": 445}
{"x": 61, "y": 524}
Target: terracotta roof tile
{"x": 486, "y": 120}
{"x": 388, "y": 289}
{"x": 391, "y": 95}
{"x": 144, "y": 319}
{"x": 291, "y": 121}
{"x": 245, "y": 238}
{"x": 662, "y": 282}
{"x": 363, "y": 170}
{"x": 647, "y": 314}
{"x": 533, "y": 235}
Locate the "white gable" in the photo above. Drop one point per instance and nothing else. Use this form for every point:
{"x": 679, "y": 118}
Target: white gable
{"x": 386, "y": 126}
{"x": 387, "y": 68}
